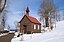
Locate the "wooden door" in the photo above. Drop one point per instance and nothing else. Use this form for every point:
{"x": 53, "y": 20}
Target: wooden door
{"x": 25, "y": 28}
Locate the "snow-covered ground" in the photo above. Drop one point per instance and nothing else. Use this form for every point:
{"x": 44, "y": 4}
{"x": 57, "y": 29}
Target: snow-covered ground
{"x": 56, "y": 35}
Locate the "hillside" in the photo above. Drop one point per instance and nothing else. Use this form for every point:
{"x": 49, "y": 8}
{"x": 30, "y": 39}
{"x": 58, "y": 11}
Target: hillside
{"x": 56, "y": 35}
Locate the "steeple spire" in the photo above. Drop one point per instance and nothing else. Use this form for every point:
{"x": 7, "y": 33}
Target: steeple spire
{"x": 27, "y": 11}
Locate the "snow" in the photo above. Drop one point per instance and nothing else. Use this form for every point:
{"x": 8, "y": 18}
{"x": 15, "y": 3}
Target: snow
{"x": 16, "y": 34}
{"x": 5, "y": 29}
{"x": 56, "y": 35}
{"x": 3, "y": 34}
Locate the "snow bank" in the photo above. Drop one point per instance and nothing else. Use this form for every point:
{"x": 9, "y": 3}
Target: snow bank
{"x": 4, "y": 34}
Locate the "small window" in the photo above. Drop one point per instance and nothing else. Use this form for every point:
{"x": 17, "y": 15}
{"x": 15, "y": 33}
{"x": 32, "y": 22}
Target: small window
{"x": 38, "y": 27}
{"x": 34, "y": 26}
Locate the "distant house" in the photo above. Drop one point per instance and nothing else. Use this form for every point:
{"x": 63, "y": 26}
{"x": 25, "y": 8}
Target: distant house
{"x": 29, "y": 24}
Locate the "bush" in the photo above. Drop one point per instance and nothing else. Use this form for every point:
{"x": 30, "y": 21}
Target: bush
{"x": 5, "y": 31}
{"x": 14, "y": 30}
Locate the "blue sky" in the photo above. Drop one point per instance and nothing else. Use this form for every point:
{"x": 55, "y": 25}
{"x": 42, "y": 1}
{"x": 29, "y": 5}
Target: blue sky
{"x": 17, "y": 8}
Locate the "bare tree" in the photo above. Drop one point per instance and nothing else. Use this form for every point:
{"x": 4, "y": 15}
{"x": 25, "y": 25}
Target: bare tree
{"x": 63, "y": 15}
{"x": 3, "y": 23}
{"x": 9, "y": 27}
{"x": 17, "y": 26}
{"x": 2, "y": 7}
{"x": 47, "y": 10}
{"x": 59, "y": 17}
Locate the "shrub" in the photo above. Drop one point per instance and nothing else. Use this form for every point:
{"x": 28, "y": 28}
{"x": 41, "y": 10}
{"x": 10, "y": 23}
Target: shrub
{"x": 4, "y": 31}
{"x": 14, "y": 30}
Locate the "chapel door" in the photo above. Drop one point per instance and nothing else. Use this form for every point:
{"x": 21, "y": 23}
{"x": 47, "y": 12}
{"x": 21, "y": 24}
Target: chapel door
{"x": 25, "y": 28}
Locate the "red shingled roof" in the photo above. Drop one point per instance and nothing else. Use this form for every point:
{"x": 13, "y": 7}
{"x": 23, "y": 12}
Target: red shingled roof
{"x": 32, "y": 19}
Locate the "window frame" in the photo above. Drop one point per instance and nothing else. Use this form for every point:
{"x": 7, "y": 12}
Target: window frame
{"x": 34, "y": 26}
{"x": 38, "y": 27}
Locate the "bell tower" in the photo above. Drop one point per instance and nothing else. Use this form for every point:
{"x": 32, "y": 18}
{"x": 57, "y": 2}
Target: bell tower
{"x": 27, "y": 11}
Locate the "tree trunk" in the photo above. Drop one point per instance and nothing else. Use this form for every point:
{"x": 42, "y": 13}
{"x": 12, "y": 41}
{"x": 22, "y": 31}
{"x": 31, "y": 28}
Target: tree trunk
{"x": 46, "y": 22}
